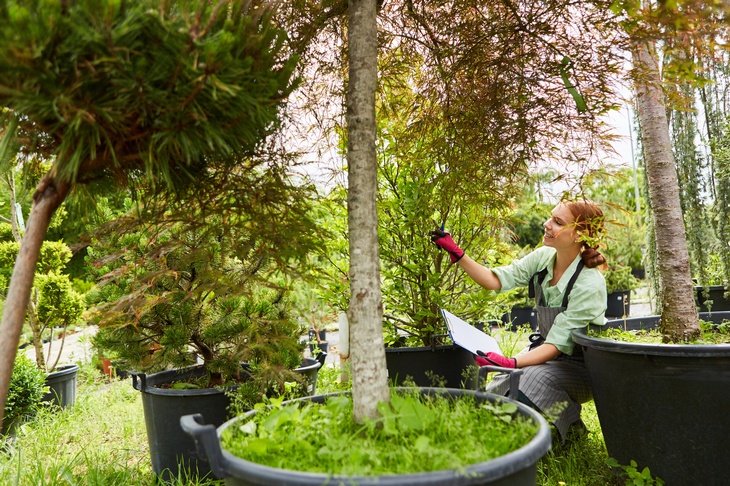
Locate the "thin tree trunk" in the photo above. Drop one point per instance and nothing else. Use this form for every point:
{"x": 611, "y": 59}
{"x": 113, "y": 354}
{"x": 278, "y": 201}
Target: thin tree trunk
{"x": 365, "y": 315}
{"x": 36, "y": 329}
{"x": 48, "y": 196}
{"x": 14, "y": 220}
{"x": 679, "y": 315}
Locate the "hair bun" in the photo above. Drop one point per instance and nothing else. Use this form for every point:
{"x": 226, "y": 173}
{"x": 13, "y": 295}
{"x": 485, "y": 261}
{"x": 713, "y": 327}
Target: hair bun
{"x": 592, "y": 257}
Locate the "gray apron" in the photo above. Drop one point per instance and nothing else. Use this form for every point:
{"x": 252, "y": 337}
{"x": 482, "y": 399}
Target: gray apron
{"x": 559, "y": 386}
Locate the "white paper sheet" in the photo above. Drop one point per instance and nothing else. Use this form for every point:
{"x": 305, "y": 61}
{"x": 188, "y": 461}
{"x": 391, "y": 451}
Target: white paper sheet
{"x": 468, "y": 336}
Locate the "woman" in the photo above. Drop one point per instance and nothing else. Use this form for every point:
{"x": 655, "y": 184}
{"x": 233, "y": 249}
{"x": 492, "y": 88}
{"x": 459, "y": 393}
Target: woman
{"x": 570, "y": 293}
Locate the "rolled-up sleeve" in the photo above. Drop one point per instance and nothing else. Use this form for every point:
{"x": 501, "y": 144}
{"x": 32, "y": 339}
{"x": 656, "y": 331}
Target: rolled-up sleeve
{"x": 586, "y": 305}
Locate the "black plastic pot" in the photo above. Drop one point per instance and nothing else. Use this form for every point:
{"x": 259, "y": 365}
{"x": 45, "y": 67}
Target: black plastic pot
{"x": 618, "y": 303}
{"x": 322, "y": 346}
{"x": 172, "y": 451}
{"x": 519, "y": 316}
{"x": 322, "y": 335}
{"x": 663, "y": 405}
{"x": 713, "y": 293}
{"x": 449, "y": 362}
{"x": 639, "y": 273}
{"x": 62, "y": 386}
{"x": 518, "y": 468}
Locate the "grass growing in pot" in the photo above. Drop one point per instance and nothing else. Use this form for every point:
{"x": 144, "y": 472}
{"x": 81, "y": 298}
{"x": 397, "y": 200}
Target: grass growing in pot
{"x": 711, "y": 334}
{"x": 416, "y": 433}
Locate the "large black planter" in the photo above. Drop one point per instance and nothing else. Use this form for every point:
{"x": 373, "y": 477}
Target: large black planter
{"x": 172, "y": 451}
{"x": 663, "y": 405}
{"x": 518, "y": 468}
{"x": 62, "y": 386}
{"x": 450, "y": 362}
{"x": 618, "y": 303}
{"x": 713, "y": 293}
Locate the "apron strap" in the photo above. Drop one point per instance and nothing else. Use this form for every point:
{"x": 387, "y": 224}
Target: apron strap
{"x": 571, "y": 282}
{"x": 540, "y": 277}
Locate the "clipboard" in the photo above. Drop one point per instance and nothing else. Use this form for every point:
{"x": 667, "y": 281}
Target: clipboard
{"x": 469, "y": 337}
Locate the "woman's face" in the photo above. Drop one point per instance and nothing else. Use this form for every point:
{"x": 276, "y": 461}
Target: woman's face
{"x": 559, "y": 229}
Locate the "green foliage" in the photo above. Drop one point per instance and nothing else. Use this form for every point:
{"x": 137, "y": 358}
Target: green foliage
{"x": 330, "y": 276}
{"x": 414, "y": 434}
{"x": 202, "y": 281}
{"x": 6, "y": 232}
{"x": 616, "y": 192}
{"x": 52, "y": 259}
{"x": 59, "y": 304}
{"x": 719, "y": 260}
{"x": 634, "y": 477}
{"x": 528, "y": 226}
{"x": 27, "y": 386}
{"x": 619, "y": 277}
{"x": 418, "y": 192}
{"x": 58, "y": 448}
{"x": 139, "y": 88}
{"x": 56, "y": 302}
{"x": 711, "y": 334}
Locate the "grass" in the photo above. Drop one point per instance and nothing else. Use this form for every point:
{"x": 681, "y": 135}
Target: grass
{"x": 101, "y": 440}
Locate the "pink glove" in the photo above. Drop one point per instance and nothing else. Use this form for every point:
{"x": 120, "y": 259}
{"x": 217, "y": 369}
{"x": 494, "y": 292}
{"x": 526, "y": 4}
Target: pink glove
{"x": 444, "y": 240}
{"x": 495, "y": 359}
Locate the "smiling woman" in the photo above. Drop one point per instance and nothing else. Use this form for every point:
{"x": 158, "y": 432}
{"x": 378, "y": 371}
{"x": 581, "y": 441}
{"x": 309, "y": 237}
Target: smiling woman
{"x": 570, "y": 293}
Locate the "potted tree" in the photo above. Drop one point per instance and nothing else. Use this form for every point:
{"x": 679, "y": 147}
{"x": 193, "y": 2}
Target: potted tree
{"x": 252, "y": 450}
{"x": 54, "y": 306}
{"x": 658, "y": 398}
{"x": 204, "y": 86}
{"x": 365, "y": 313}
{"x": 620, "y": 281}
{"x": 192, "y": 298}
{"x": 715, "y": 295}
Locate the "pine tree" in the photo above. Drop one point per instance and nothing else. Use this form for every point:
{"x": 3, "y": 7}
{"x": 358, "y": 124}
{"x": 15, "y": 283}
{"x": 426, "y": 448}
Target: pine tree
{"x": 113, "y": 91}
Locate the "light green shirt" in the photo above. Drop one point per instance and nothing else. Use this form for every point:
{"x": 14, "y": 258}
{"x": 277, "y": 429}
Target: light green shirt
{"x": 586, "y": 302}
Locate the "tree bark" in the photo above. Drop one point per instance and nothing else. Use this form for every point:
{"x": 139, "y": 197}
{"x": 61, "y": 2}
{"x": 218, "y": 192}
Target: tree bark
{"x": 36, "y": 329}
{"x": 679, "y": 315}
{"x": 365, "y": 315}
{"x": 49, "y": 194}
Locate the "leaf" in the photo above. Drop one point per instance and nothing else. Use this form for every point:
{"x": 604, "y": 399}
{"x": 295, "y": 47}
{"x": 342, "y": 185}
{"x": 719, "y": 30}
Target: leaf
{"x": 260, "y": 446}
{"x": 248, "y": 428}
{"x": 411, "y": 412}
{"x": 577, "y": 97}
{"x": 185, "y": 386}
{"x": 388, "y": 418}
{"x": 509, "y": 408}
{"x": 422, "y": 443}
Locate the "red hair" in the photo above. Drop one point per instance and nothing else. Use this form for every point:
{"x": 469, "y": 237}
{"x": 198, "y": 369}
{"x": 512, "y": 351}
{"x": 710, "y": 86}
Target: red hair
{"x": 588, "y": 220}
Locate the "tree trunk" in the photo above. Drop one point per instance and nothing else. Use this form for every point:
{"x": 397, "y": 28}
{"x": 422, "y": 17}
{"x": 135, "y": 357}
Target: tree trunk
{"x": 48, "y": 196}
{"x": 14, "y": 219}
{"x": 365, "y": 315}
{"x": 679, "y": 315}
{"x": 36, "y": 329}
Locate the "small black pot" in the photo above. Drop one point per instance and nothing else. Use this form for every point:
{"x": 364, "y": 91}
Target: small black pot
{"x": 449, "y": 362}
{"x": 714, "y": 293}
{"x": 322, "y": 335}
{"x": 518, "y": 468}
{"x": 618, "y": 303}
{"x": 62, "y": 384}
{"x": 322, "y": 346}
{"x": 639, "y": 273}
{"x": 172, "y": 450}
{"x": 663, "y": 405}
